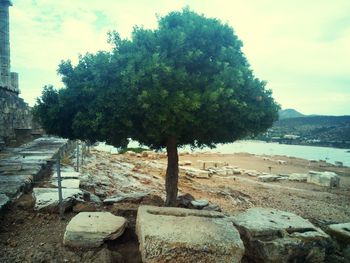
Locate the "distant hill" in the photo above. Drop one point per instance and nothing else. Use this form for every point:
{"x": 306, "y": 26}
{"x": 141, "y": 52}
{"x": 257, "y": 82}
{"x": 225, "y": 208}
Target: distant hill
{"x": 319, "y": 130}
{"x": 289, "y": 113}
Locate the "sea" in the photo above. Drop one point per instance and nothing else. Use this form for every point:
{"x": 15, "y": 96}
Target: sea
{"x": 331, "y": 155}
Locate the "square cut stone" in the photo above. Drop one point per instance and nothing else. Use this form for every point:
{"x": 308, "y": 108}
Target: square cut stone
{"x": 340, "y": 231}
{"x": 328, "y": 179}
{"x": 91, "y": 229}
{"x": 274, "y": 236}
{"x": 184, "y": 235}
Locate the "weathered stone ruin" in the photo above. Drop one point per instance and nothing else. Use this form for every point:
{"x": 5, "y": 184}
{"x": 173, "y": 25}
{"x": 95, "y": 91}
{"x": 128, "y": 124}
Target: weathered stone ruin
{"x": 91, "y": 229}
{"x": 185, "y": 235}
{"x": 15, "y": 114}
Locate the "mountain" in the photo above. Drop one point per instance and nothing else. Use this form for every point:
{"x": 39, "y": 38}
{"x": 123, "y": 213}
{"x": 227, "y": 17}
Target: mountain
{"x": 331, "y": 131}
{"x": 289, "y": 113}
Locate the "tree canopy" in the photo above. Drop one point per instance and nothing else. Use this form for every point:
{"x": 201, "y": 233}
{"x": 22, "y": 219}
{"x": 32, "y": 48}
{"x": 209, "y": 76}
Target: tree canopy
{"x": 185, "y": 83}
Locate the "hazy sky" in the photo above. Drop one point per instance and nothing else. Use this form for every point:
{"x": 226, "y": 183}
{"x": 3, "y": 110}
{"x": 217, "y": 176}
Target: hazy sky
{"x": 301, "y": 48}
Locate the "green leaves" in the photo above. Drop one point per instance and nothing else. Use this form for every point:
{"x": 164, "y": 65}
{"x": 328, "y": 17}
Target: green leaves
{"x": 188, "y": 79}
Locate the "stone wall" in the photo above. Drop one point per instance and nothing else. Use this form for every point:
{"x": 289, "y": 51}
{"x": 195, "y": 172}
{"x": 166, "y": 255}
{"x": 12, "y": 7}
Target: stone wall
{"x": 14, "y": 114}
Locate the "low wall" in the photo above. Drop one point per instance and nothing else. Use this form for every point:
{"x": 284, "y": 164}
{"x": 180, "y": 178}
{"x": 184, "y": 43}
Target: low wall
{"x": 14, "y": 114}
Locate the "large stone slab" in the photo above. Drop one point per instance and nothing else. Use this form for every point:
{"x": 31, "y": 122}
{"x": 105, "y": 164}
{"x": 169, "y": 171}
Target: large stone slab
{"x": 340, "y": 231}
{"x": 26, "y": 164}
{"x": 47, "y": 198}
{"x": 13, "y": 185}
{"x": 328, "y": 179}
{"x": 274, "y": 236}
{"x": 91, "y": 229}
{"x": 184, "y": 235}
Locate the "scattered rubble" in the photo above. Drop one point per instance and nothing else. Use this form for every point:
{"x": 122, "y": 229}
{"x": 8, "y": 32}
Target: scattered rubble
{"x": 206, "y": 165}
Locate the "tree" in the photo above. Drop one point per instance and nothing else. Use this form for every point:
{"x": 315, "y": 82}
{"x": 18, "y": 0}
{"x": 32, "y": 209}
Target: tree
{"x": 185, "y": 83}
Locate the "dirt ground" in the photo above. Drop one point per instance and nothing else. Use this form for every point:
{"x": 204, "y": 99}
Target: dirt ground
{"x": 29, "y": 236}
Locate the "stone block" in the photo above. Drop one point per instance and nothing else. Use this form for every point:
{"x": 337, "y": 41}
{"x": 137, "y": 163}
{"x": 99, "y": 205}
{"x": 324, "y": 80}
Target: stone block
{"x": 91, "y": 229}
{"x": 67, "y": 183}
{"x": 68, "y": 175}
{"x": 268, "y": 178}
{"x": 199, "y": 204}
{"x": 46, "y": 199}
{"x": 252, "y": 173}
{"x": 274, "y": 236}
{"x": 126, "y": 197}
{"x": 4, "y": 200}
{"x": 298, "y": 177}
{"x": 328, "y": 179}
{"x": 184, "y": 235}
{"x": 340, "y": 231}
{"x": 193, "y": 172}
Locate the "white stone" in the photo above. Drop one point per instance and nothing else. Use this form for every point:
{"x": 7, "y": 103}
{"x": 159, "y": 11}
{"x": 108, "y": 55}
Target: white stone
{"x": 268, "y": 178}
{"x": 67, "y": 175}
{"x": 133, "y": 196}
{"x": 328, "y": 179}
{"x": 199, "y": 203}
{"x": 252, "y": 173}
{"x": 298, "y": 177}
{"x": 4, "y": 200}
{"x": 91, "y": 229}
{"x": 194, "y": 172}
{"x": 340, "y": 231}
{"x": 270, "y": 235}
{"x": 47, "y": 198}
{"x": 68, "y": 183}
{"x": 184, "y": 235}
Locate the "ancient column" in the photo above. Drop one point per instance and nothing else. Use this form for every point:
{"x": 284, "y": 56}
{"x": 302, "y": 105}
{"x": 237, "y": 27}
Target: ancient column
{"x": 5, "y": 43}
{"x": 8, "y": 80}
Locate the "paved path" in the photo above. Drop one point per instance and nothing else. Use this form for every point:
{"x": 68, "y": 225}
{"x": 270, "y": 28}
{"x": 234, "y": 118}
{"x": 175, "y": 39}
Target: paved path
{"x": 26, "y": 165}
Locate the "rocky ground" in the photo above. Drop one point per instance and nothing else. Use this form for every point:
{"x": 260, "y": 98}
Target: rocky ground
{"x": 130, "y": 180}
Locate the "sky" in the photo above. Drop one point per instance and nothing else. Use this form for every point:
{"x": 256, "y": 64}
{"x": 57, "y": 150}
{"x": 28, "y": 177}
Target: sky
{"x": 301, "y": 48}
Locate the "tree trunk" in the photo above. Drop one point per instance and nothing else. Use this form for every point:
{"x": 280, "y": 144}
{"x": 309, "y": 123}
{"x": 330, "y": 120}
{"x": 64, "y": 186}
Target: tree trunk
{"x": 172, "y": 173}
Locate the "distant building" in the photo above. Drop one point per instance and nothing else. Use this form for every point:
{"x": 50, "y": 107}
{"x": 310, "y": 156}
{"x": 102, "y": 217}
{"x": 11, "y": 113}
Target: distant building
{"x": 291, "y": 137}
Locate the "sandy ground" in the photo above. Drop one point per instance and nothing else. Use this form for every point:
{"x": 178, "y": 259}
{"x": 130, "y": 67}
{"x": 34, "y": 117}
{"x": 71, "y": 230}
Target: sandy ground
{"x": 29, "y": 236}
{"x": 237, "y": 193}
